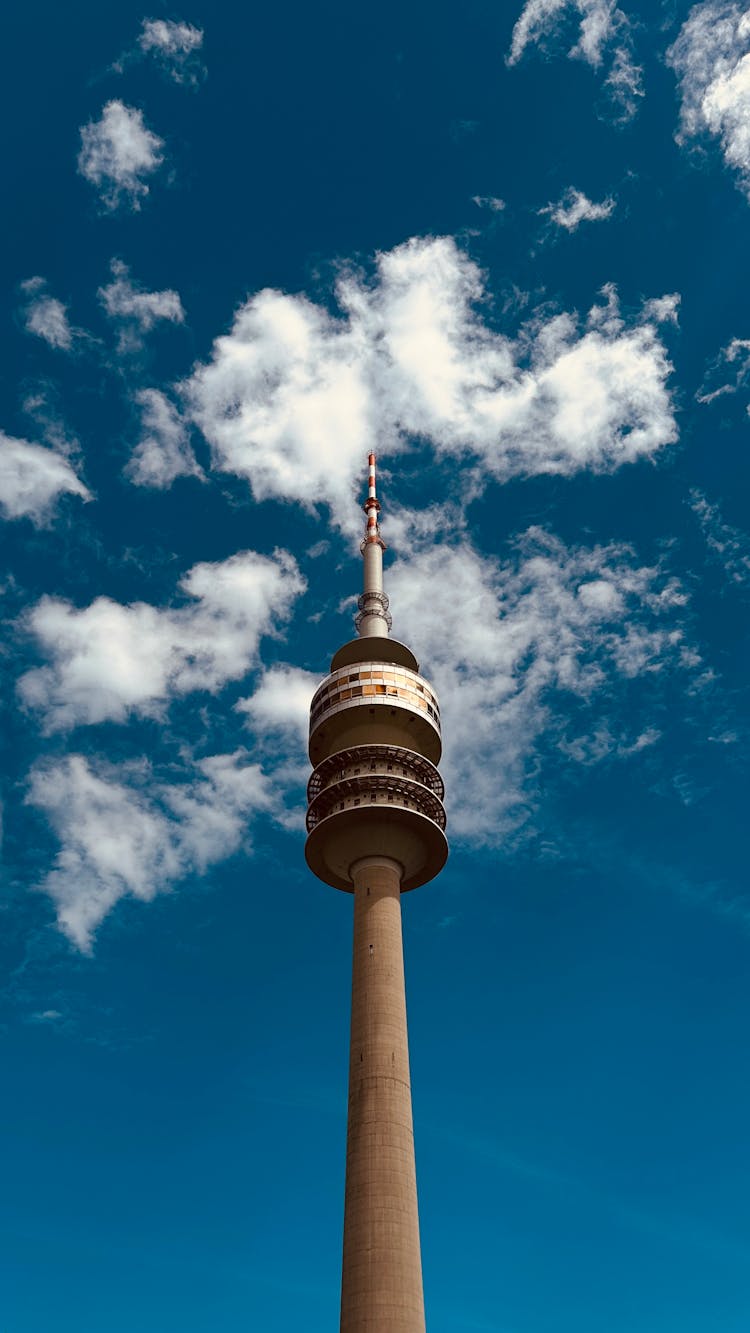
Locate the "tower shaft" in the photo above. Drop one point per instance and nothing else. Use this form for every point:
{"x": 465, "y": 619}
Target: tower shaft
{"x": 381, "y": 1288}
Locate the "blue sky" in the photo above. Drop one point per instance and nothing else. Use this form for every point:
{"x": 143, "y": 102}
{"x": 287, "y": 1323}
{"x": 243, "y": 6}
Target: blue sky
{"x": 505, "y": 246}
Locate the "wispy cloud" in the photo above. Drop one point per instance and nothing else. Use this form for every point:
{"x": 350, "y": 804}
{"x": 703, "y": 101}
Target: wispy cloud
{"x": 515, "y": 644}
{"x": 729, "y": 545}
{"x": 733, "y": 361}
{"x": 574, "y": 207}
{"x": 489, "y": 202}
{"x": 604, "y": 41}
{"x": 163, "y": 451}
{"x": 535, "y": 659}
{"x": 45, "y": 316}
{"x": 174, "y": 46}
{"x": 711, "y": 58}
{"x": 134, "y": 310}
{"x": 33, "y": 478}
{"x": 118, "y": 152}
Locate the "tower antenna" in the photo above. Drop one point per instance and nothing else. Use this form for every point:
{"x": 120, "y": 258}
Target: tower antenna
{"x": 373, "y": 618}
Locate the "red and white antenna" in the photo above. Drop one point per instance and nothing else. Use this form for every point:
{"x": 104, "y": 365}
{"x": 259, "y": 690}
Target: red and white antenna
{"x": 373, "y": 618}
{"x": 372, "y": 507}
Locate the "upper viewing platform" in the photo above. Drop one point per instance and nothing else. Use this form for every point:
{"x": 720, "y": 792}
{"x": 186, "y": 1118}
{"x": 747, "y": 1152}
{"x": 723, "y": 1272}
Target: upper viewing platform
{"x": 368, "y": 699}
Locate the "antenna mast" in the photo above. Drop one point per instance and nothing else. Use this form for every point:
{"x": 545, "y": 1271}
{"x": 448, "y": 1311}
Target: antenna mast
{"x": 373, "y": 618}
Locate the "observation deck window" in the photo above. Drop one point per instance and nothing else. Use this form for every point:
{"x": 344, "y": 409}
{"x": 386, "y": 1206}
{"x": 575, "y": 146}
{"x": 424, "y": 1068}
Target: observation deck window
{"x": 373, "y": 680}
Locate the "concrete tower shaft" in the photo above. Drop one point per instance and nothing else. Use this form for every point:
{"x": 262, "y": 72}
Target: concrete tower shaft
{"x": 381, "y": 1281}
{"x": 376, "y": 827}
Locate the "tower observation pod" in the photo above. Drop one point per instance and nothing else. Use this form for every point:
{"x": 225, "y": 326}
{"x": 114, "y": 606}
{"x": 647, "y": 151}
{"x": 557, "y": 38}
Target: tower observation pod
{"x": 376, "y": 828}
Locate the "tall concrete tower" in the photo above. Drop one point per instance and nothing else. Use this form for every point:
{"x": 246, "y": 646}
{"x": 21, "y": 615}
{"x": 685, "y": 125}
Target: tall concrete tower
{"x": 375, "y": 823}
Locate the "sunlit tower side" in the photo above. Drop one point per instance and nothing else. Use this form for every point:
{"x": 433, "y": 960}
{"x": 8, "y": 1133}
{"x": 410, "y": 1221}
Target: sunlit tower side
{"x": 376, "y": 828}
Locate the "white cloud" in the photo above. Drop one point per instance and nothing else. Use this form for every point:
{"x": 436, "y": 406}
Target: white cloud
{"x": 46, "y": 316}
{"x": 711, "y": 58}
{"x": 277, "y": 714}
{"x": 603, "y": 37}
{"x": 521, "y": 651}
{"x": 286, "y": 402}
{"x": 280, "y": 704}
{"x": 728, "y": 544}
{"x": 173, "y": 39}
{"x": 110, "y": 660}
{"x": 123, "y": 834}
{"x": 175, "y": 45}
{"x": 735, "y": 355}
{"x": 574, "y": 208}
{"x": 33, "y": 478}
{"x": 163, "y": 451}
{"x": 117, "y": 153}
{"x": 601, "y": 744}
{"x": 488, "y": 201}
{"x": 136, "y": 310}
{"x": 663, "y": 309}
{"x": 293, "y": 397}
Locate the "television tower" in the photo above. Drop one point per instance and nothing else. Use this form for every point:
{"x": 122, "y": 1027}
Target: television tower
{"x": 375, "y": 823}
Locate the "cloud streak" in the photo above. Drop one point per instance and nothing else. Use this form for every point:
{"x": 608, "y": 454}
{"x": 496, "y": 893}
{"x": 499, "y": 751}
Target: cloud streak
{"x": 729, "y": 545}
{"x": 32, "y": 480}
{"x": 604, "y": 39}
{"x": 736, "y": 355}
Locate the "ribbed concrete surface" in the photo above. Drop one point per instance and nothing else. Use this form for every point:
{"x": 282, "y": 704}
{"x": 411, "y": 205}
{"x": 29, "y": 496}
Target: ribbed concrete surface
{"x": 382, "y": 1272}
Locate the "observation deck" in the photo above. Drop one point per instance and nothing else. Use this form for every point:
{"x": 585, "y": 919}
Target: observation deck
{"x": 354, "y": 701}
